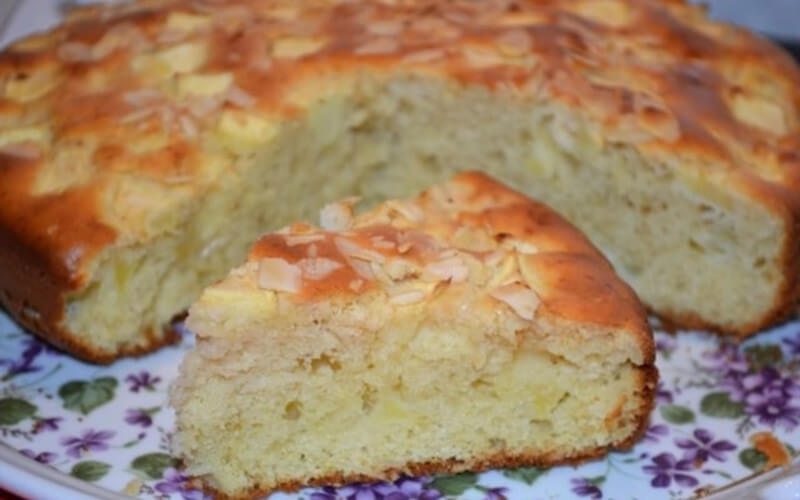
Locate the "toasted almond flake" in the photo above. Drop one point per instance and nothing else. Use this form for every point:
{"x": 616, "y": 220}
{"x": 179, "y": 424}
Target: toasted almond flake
{"x": 520, "y": 246}
{"x": 303, "y": 239}
{"x": 318, "y": 268}
{"x": 141, "y": 97}
{"x": 382, "y": 45}
{"x": 312, "y": 250}
{"x": 75, "y": 52}
{"x": 355, "y": 285}
{"x": 407, "y": 297}
{"x": 404, "y": 247}
{"x": 277, "y": 274}
{"x": 171, "y": 36}
{"x": 493, "y": 257}
{"x": 388, "y": 27}
{"x": 362, "y": 268}
{"x": 407, "y": 209}
{"x": 188, "y": 126}
{"x": 240, "y": 98}
{"x": 24, "y": 150}
{"x": 338, "y": 216}
{"x": 138, "y": 115}
{"x": 203, "y": 105}
{"x": 353, "y": 250}
{"x": 380, "y": 242}
{"x": 452, "y": 269}
{"x": 447, "y": 253}
{"x": 399, "y": 268}
{"x": 522, "y": 300}
{"x": 515, "y": 42}
{"x": 262, "y": 63}
{"x": 423, "y": 56}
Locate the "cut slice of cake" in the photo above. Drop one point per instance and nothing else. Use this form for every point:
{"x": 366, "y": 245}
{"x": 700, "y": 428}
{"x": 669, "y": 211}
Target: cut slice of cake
{"x": 467, "y": 329}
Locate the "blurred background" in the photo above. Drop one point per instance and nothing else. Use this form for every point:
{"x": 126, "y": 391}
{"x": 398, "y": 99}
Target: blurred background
{"x": 776, "y": 17}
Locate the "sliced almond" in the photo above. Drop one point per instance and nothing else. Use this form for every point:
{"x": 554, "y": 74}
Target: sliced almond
{"x": 302, "y": 239}
{"x": 452, "y": 269}
{"x": 521, "y": 299}
{"x": 277, "y": 274}
{"x": 318, "y": 268}
{"x": 407, "y": 297}
{"x": 353, "y": 250}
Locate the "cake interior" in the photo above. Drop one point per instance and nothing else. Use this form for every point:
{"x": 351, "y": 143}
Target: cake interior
{"x": 340, "y": 391}
{"x": 671, "y": 233}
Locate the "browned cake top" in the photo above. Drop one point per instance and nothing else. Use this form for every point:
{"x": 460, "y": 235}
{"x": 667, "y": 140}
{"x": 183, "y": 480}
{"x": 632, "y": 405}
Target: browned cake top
{"x": 468, "y": 242}
{"x": 109, "y": 123}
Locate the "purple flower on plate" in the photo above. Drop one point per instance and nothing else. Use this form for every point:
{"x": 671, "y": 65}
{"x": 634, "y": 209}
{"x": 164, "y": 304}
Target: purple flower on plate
{"x": 91, "y": 440}
{"x": 47, "y": 424}
{"x": 44, "y": 457}
{"x": 727, "y": 359}
{"x": 703, "y": 447}
{"x": 585, "y": 488}
{"x": 773, "y": 408}
{"x": 663, "y": 396}
{"x": 138, "y": 416}
{"x": 24, "y": 364}
{"x": 496, "y": 493}
{"x": 367, "y": 491}
{"x": 327, "y": 493}
{"x": 142, "y": 380}
{"x": 666, "y": 469}
{"x": 665, "y": 343}
{"x": 175, "y": 482}
{"x": 654, "y": 433}
{"x": 413, "y": 489}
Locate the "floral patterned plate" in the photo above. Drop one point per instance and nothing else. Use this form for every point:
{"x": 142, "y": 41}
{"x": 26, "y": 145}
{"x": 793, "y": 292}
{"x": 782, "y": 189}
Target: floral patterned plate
{"x": 723, "y": 414}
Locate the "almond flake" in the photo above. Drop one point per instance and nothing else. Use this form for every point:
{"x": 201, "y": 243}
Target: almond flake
{"x": 188, "y": 126}
{"x": 423, "y": 56}
{"x": 380, "y": 242}
{"x": 277, "y": 274}
{"x": 407, "y": 297}
{"x": 240, "y": 98}
{"x": 24, "y": 150}
{"x": 362, "y": 269}
{"x": 494, "y": 257}
{"x": 389, "y": 28}
{"x": 318, "y": 268}
{"x": 399, "y": 268}
{"x": 352, "y": 250}
{"x": 407, "y": 209}
{"x": 303, "y": 239}
{"x": 75, "y": 52}
{"x": 522, "y": 300}
{"x": 337, "y": 216}
{"x": 515, "y": 42}
{"x": 382, "y": 45}
{"x": 452, "y": 269}
{"x": 311, "y": 251}
{"x": 355, "y": 285}
{"x": 140, "y": 97}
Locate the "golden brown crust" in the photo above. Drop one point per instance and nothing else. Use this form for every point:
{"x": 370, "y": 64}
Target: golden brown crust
{"x": 501, "y": 460}
{"x": 662, "y": 76}
{"x": 470, "y": 231}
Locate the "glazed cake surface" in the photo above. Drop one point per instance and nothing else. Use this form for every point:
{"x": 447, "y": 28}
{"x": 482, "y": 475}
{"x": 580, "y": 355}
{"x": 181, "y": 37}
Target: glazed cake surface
{"x": 466, "y": 329}
{"x": 144, "y": 147}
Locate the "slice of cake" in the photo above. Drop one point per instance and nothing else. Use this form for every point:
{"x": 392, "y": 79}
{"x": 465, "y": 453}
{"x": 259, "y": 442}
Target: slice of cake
{"x": 470, "y": 328}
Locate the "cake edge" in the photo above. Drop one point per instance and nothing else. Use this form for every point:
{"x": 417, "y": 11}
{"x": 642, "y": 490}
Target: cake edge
{"x": 649, "y": 380}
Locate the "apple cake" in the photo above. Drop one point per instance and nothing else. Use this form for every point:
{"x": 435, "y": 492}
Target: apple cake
{"x": 145, "y": 146}
{"x": 466, "y": 329}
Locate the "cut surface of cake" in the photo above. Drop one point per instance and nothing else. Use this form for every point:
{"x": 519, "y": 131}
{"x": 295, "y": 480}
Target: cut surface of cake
{"x": 467, "y": 329}
{"x": 131, "y": 137}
